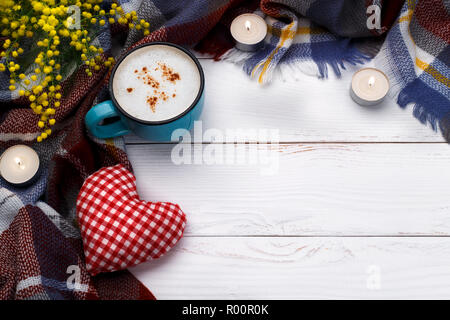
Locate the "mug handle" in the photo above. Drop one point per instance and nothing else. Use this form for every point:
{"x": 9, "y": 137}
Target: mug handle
{"x": 100, "y": 112}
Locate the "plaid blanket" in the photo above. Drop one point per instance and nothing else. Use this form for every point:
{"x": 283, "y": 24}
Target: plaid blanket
{"x": 416, "y": 56}
{"x": 311, "y": 36}
{"x": 40, "y": 245}
{"x": 41, "y": 253}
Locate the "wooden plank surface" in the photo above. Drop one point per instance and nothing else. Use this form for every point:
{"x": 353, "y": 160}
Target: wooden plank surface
{"x": 306, "y": 110}
{"x": 296, "y": 268}
{"x": 354, "y": 203}
{"x": 314, "y": 189}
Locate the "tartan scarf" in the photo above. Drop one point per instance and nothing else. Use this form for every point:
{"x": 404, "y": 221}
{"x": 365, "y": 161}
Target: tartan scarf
{"x": 39, "y": 236}
{"x": 311, "y": 36}
{"x": 40, "y": 243}
{"x": 416, "y": 57}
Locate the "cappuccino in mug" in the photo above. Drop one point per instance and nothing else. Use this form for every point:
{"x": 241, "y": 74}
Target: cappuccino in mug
{"x": 156, "y": 83}
{"x": 156, "y": 88}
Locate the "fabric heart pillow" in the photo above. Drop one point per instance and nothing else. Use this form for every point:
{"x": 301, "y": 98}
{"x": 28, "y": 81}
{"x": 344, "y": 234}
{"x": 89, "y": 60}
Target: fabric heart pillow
{"x": 118, "y": 229}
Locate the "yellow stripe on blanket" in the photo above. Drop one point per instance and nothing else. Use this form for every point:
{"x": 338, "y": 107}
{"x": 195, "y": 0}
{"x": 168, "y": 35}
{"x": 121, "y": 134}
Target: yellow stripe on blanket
{"x": 432, "y": 71}
{"x": 406, "y": 17}
{"x": 285, "y": 34}
{"x": 412, "y": 4}
{"x": 300, "y": 31}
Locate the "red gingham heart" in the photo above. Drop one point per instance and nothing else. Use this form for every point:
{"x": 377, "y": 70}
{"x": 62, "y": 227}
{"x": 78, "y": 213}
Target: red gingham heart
{"x": 118, "y": 229}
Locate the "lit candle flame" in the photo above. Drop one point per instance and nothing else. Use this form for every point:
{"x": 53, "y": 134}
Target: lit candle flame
{"x": 248, "y": 24}
{"x": 19, "y": 162}
{"x": 371, "y": 81}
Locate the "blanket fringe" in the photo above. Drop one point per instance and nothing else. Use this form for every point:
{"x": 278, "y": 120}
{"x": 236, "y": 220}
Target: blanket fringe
{"x": 422, "y": 113}
{"x": 419, "y": 100}
{"x": 287, "y": 70}
{"x": 419, "y": 110}
{"x": 236, "y": 56}
{"x": 445, "y": 128}
{"x": 397, "y": 84}
{"x": 337, "y": 63}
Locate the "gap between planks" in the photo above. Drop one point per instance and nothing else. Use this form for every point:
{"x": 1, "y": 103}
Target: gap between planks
{"x": 293, "y": 142}
{"x": 280, "y": 268}
{"x": 315, "y": 190}
{"x": 315, "y": 236}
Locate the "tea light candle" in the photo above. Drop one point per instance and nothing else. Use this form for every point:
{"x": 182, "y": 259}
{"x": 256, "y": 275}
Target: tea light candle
{"x": 248, "y": 31}
{"x": 19, "y": 165}
{"x": 369, "y": 86}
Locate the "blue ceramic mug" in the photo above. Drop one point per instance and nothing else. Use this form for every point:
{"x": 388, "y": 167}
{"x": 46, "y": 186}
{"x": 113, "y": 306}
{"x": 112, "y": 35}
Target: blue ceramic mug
{"x": 150, "y": 130}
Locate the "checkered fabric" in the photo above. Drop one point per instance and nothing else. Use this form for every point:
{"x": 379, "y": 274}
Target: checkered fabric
{"x": 37, "y": 245}
{"x": 119, "y": 230}
{"x": 37, "y": 240}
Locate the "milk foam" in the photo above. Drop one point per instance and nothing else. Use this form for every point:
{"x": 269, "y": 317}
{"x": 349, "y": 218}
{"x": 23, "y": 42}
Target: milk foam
{"x": 141, "y": 84}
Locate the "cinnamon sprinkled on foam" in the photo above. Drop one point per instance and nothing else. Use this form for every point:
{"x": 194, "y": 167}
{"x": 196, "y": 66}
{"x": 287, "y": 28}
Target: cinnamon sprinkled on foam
{"x": 152, "y": 102}
{"x": 167, "y": 74}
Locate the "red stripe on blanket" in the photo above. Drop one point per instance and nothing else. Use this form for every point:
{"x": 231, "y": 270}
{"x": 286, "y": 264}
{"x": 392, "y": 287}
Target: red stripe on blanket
{"x": 433, "y": 16}
{"x": 390, "y": 10}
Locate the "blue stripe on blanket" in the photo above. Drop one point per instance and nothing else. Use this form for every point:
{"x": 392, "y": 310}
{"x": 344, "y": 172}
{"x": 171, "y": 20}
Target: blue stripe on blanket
{"x": 298, "y": 51}
{"x": 257, "y": 57}
{"x": 436, "y": 85}
{"x": 5, "y": 94}
{"x": 105, "y": 37}
{"x": 401, "y": 64}
{"x": 335, "y": 54}
{"x": 429, "y": 105}
{"x": 319, "y": 37}
{"x": 442, "y": 62}
{"x": 55, "y": 288}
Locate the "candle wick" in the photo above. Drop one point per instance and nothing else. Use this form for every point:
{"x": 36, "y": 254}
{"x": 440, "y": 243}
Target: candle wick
{"x": 19, "y": 162}
{"x": 248, "y": 25}
{"x": 371, "y": 81}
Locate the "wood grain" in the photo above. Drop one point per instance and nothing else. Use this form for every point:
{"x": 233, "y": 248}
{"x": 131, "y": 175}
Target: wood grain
{"x": 315, "y": 189}
{"x": 301, "y": 268}
{"x": 354, "y": 204}
{"x": 307, "y": 109}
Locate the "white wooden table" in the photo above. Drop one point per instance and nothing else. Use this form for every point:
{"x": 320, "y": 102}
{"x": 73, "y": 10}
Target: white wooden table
{"x": 359, "y": 206}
